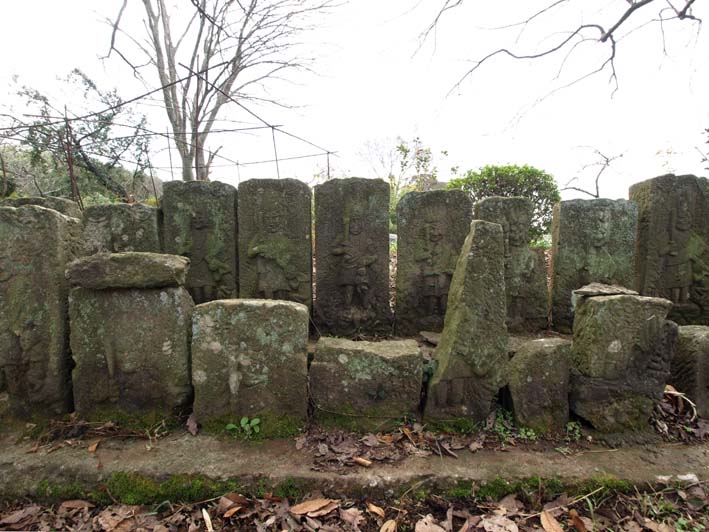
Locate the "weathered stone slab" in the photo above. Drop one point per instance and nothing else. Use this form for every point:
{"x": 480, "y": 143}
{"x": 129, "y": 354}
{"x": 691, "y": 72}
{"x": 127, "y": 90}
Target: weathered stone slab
{"x": 592, "y": 241}
{"x": 620, "y": 357}
{"x": 690, "y": 366}
{"x": 673, "y": 244}
{"x": 62, "y": 205}
{"x": 525, "y": 269}
{"x": 472, "y": 354}
{"x": 249, "y": 358}
{"x": 128, "y": 270}
{"x": 36, "y": 244}
{"x": 352, "y": 257}
{"x": 539, "y": 384}
{"x": 431, "y": 229}
{"x": 132, "y": 353}
{"x": 365, "y": 385}
{"x": 275, "y": 248}
{"x": 200, "y": 223}
{"x": 120, "y": 227}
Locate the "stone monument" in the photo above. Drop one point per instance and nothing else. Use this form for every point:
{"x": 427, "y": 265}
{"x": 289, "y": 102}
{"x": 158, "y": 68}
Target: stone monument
{"x": 119, "y": 227}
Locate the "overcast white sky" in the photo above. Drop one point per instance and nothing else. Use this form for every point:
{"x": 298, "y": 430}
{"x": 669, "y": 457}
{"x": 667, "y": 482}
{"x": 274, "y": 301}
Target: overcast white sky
{"x": 372, "y": 85}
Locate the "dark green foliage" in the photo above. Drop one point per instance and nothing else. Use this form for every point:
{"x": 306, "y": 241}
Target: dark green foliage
{"x": 513, "y": 180}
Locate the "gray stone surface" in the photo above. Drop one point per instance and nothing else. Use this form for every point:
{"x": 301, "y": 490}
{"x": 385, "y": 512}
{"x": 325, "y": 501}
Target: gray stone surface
{"x": 690, "y": 366}
{"x": 539, "y": 384}
{"x": 592, "y": 241}
{"x": 365, "y": 385}
{"x": 621, "y": 355}
{"x": 525, "y": 268}
{"x": 132, "y": 353}
{"x": 62, "y": 205}
{"x": 200, "y": 223}
{"x": 472, "y": 354}
{"x": 128, "y": 270}
{"x": 352, "y": 257}
{"x": 119, "y": 227}
{"x": 36, "y": 244}
{"x": 275, "y": 248}
{"x": 673, "y": 244}
{"x": 431, "y": 229}
{"x": 249, "y": 358}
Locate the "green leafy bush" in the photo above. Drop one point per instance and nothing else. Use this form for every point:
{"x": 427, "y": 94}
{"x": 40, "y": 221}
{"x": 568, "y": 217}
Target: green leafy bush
{"x": 513, "y": 180}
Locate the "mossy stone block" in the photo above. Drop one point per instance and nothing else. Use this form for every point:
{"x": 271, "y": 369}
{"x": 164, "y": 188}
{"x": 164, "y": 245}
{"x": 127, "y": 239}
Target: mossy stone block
{"x": 119, "y": 227}
{"x": 250, "y": 358}
{"x": 365, "y": 385}
{"x": 690, "y": 366}
{"x": 62, "y": 205}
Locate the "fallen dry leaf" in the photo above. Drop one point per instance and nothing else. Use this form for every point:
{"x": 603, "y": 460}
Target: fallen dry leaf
{"x": 92, "y": 448}
{"x": 352, "y": 516}
{"x": 498, "y": 523}
{"x": 427, "y": 524}
{"x": 362, "y": 461}
{"x": 74, "y": 505}
{"x": 231, "y": 511}
{"x": 192, "y": 425}
{"x": 549, "y": 522}
{"x": 388, "y": 526}
{"x": 207, "y": 520}
{"x": 21, "y": 515}
{"x": 310, "y": 506}
{"x": 334, "y": 505}
{"x": 376, "y": 510}
{"x": 576, "y": 521}
{"x": 475, "y": 446}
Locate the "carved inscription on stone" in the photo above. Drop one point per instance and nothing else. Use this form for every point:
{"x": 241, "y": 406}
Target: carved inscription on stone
{"x": 275, "y": 250}
{"x": 352, "y": 256}
{"x": 200, "y": 223}
{"x": 673, "y": 244}
{"x": 525, "y": 270}
{"x": 431, "y": 227}
{"x": 592, "y": 241}
{"x": 120, "y": 227}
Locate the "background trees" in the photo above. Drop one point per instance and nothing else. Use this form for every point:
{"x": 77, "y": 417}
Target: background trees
{"x": 513, "y": 180}
{"x": 216, "y": 55}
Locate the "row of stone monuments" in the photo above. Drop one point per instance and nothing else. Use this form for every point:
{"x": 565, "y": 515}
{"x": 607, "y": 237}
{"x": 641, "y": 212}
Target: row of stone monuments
{"x": 137, "y": 345}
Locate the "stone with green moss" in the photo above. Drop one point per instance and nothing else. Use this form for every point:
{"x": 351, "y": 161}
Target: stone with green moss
{"x": 472, "y": 354}
{"x": 128, "y": 270}
{"x": 36, "y": 244}
{"x": 250, "y": 359}
{"x": 690, "y": 366}
{"x": 62, "y": 205}
{"x": 119, "y": 227}
{"x": 275, "y": 248}
{"x": 592, "y": 241}
{"x": 200, "y": 223}
{"x": 621, "y": 354}
{"x": 525, "y": 269}
{"x": 352, "y": 257}
{"x": 539, "y": 384}
{"x": 431, "y": 228}
{"x": 673, "y": 244}
{"x": 365, "y": 385}
{"x": 131, "y": 350}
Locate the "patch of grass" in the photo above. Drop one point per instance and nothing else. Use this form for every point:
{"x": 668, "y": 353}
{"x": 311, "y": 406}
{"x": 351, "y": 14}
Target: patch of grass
{"x": 131, "y": 488}
{"x": 456, "y": 426}
{"x": 605, "y": 484}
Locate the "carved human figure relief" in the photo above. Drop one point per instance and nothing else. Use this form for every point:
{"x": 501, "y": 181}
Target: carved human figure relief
{"x": 436, "y": 260}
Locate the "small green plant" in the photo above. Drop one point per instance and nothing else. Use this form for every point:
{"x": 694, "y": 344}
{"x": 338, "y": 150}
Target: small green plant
{"x": 503, "y": 426}
{"x": 246, "y": 428}
{"x": 573, "y": 431}
{"x": 527, "y": 434}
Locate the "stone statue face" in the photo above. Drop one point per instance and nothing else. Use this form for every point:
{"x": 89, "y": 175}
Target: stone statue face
{"x": 683, "y": 221}
{"x": 272, "y": 222}
{"x": 356, "y": 224}
{"x": 435, "y": 231}
{"x": 600, "y": 228}
{"x": 200, "y": 221}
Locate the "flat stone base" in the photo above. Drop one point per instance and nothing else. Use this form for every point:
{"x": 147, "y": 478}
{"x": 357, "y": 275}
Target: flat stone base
{"x": 276, "y": 461}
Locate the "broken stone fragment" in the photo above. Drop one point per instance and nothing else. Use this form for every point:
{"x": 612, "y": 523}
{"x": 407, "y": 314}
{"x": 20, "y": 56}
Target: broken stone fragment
{"x": 365, "y": 385}
{"x": 128, "y": 270}
{"x": 131, "y": 349}
{"x": 472, "y": 354}
{"x": 119, "y": 227}
{"x": 539, "y": 384}
{"x": 36, "y": 243}
{"x": 62, "y": 205}
{"x": 690, "y": 366}
{"x": 621, "y": 355}
{"x": 250, "y": 358}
